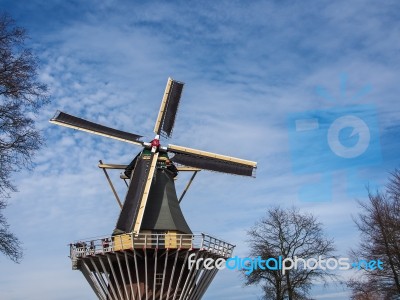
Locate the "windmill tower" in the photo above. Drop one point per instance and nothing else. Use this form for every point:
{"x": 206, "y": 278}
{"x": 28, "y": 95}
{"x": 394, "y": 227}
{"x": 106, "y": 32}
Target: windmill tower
{"x": 146, "y": 256}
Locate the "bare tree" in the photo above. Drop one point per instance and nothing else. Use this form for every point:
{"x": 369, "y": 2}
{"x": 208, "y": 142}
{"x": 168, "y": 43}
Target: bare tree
{"x": 379, "y": 226}
{"x": 9, "y": 243}
{"x": 289, "y": 234}
{"x": 21, "y": 97}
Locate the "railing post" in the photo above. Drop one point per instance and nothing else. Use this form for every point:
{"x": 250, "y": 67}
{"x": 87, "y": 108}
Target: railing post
{"x": 202, "y": 241}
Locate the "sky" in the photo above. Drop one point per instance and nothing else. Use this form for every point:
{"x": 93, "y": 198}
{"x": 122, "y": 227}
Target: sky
{"x": 290, "y": 84}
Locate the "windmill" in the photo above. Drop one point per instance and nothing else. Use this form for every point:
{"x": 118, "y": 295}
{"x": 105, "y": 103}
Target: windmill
{"x": 146, "y": 257}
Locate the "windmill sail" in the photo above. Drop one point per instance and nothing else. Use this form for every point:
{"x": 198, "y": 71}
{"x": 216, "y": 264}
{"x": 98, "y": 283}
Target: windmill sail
{"x": 169, "y": 107}
{"x": 212, "y": 161}
{"x": 71, "y": 121}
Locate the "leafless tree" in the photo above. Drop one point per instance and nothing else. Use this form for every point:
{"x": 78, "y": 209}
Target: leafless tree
{"x": 289, "y": 234}
{"x": 21, "y": 97}
{"x": 9, "y": 243}
{"x": 379, "y": 226}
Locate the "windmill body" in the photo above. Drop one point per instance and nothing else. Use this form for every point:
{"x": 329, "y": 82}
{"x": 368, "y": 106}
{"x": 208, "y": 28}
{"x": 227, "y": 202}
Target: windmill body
{"x": 162, "y": 212}
{"x": 146, "y": 256}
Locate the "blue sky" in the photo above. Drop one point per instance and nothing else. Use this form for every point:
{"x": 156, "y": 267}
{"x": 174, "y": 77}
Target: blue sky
{"x": 249, "y": 66}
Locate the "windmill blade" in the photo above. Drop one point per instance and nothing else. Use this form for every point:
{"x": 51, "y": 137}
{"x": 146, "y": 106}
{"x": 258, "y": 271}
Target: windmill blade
{"x": 169, "y": 107}
{"x": 67, "y": 120}
{"x": 131, "y": 216}
{"x": 211, "y": 161}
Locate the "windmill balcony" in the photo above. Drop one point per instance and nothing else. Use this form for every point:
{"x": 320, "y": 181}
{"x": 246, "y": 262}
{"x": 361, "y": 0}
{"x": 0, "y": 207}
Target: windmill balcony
{"x": 130, "y": 241}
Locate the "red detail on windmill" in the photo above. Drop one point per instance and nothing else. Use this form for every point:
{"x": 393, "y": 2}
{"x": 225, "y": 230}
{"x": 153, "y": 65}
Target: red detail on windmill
{"x": 155, "y": 143}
